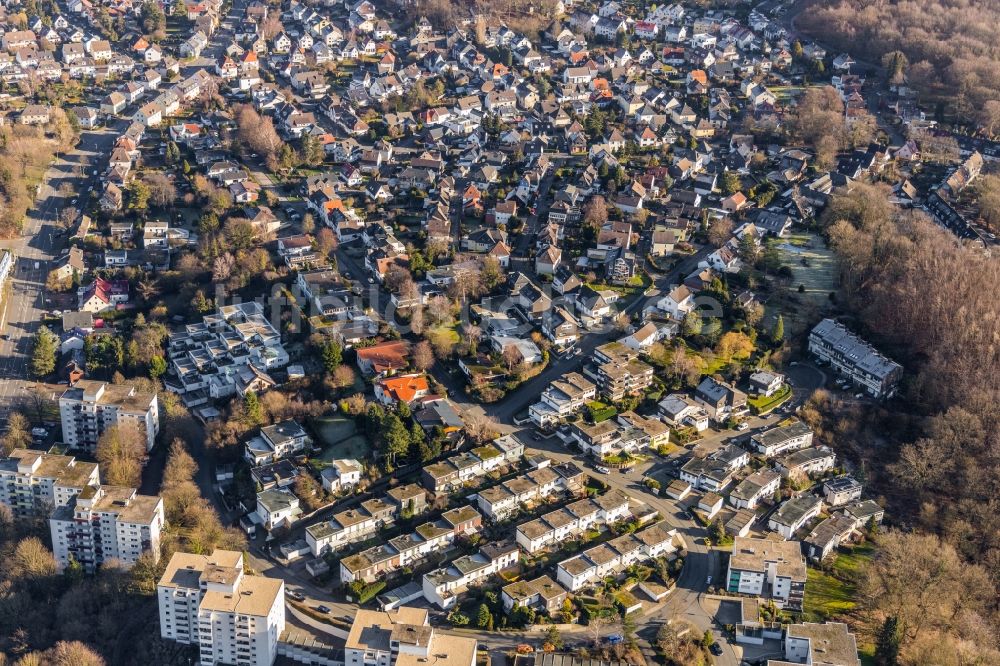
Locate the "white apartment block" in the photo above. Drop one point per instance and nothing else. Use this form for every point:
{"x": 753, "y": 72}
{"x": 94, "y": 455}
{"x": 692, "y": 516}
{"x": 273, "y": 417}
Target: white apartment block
{"x": 88, "y": 408}
{"x": 443, "y": 586}
{"x": 820, "y": 643}
{"x": 106, "y": 523}
{"x": 715, "y": 471}
{"x": 613, "y": 556}
{"x": 562, "y": 524}
{"x": 756, "y": 487}
{"x": 562, "y": 397}
{"x": 766, "y": 568}
{"x": 32, "y": 481}
{"x": 794, "y": 514}
{"x": 776, "y": 441}
{"x": 223, "y": 355}
{"x": 831, "y": 341}
{"x": 233, "y": 617}
{"x": 404, "y": 636}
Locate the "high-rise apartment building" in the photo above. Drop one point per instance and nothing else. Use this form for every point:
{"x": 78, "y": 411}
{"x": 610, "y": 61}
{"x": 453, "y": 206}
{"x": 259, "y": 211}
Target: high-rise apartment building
{"x": 88, "y": 408}
{"x": 106, "y": 523}
{"x": 32, "y": 481}
{"x": 233, "y": 617}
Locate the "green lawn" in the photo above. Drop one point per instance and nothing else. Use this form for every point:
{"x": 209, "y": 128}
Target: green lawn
{"x": 339, "y": 438}
{"x": 765, "y": 404}
{"x": 829, "y": 595}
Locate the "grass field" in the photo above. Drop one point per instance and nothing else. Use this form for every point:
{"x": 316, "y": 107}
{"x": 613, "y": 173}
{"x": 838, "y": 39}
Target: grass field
{"x": 831, "y": 595}
{"x": 814, "y": 266}
{"x": 339, "y": 439}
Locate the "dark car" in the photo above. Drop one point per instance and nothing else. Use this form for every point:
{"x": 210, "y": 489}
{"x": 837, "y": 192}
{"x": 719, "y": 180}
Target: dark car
{"x": 323, "y": 609}
{"x": 716, "y": 649}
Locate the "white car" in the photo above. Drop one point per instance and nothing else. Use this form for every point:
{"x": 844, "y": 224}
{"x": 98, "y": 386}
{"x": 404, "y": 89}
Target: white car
{"x": 602, "y": 469}
{"x": 39, "y": 432}
{"x": 743, "y": 426}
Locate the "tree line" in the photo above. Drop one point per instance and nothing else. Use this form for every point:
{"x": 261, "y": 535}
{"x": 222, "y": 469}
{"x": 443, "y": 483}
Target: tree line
{"x": 926, "y": 300}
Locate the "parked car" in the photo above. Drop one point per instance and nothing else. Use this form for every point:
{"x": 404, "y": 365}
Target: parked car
{"x": 39, "y": 432}
{"x": 716, "y": 649}
{"x": 602, "y": 469}
{"x": 323, "y": 609}
{"x": 298, "y": 596}
{"x": 743, "y": 426}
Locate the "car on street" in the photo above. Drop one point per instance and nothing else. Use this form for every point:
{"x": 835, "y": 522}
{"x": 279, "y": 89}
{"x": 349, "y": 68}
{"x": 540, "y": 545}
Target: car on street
{"x": 708, "y": 581}
{"x": 323, "y": 609}
{"x": 743, "y": 426}
{"x": 298, "y": 596}
{"x": 716, "y": 649}
{"x": 39, "y": 432}
{"x": 601, "y": 469}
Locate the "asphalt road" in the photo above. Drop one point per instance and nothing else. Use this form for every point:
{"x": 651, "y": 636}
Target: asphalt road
{"x": 24, "y": 302}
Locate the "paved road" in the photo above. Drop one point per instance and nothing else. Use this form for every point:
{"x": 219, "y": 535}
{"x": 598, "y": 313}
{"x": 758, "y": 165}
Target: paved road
{"x": 22, "y": 309}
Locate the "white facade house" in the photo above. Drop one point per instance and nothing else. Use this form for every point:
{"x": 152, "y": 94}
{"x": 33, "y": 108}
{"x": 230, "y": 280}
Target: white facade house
{"x": 342, "y": 474}
{"x": 561, "y": 398}
{"x": 756, "y": 487}
{"x": 105, "y": 523}
{"x": 678, "y": 303}
{"x": 563, "y": 524}
{"x": 776, "y": 441}
{"x": 611, "y": 557}
{"x": 404, "y": 636}
{"x": 277, "y": 508}
{"x": 442, "y": 586}
{"x": 761, "y": 566}
{"x": 715, "y": 471}
{"x": 830, "y": 341}
{"x": 794, "y": 514}
{"x": 233, "y": 617}
{"x": 277, "y": 441}
{"x": 88, "y": 408}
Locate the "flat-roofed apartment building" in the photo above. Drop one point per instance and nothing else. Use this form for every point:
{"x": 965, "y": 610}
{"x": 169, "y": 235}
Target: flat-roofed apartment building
{"x": 618, "y": 371}
{"x": 224, "y": 354}
{"x": 769, "y": 569}
{"x": 821, "y": 644}
{"x": 404, "y": 637}
{"x": 88, "y": 408}
{"x": 233, "y": 617}
{"x": 561, "y": 398}
{"x": 862, "y": 363}
{"x": 32, "y": 481}
{"x": 106, "y": 523}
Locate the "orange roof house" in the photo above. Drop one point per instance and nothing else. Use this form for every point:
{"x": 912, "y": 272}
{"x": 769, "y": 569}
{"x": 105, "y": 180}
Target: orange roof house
{"x": 384, "y": 358}
{"x": 698, "y": 75}
{"x": 404, "y": 388}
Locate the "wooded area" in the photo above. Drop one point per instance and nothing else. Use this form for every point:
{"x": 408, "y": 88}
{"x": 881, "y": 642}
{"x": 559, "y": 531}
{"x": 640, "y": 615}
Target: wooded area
{"x": 934, "y": 454}
{"x": 950, "y": 45}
